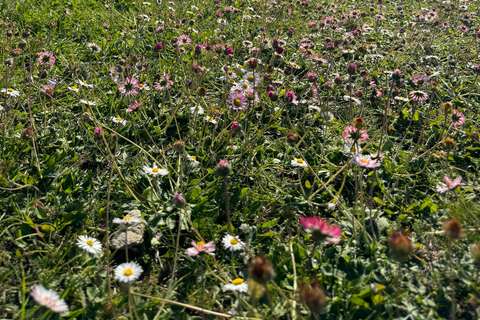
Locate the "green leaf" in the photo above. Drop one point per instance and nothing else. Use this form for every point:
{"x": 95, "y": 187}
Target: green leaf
{"x": 416, "y": 116}
{"x": 270, "y": 224}
{"x": 307, "y": 184}
{"x": 359, "y": 301}
{"x": 433, "y": 208}
{"x": 377, "y": 299}
{"x": 194, "y": 193}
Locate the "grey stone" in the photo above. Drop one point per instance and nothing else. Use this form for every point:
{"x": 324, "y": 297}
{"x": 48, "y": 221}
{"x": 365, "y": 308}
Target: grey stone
{"x": 131, "y": 235}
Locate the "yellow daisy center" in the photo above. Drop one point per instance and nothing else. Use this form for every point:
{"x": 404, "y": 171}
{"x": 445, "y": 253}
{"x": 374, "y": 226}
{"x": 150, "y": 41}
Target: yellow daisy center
{"x": 117, "y": 118}
{"x": 201, "y": 243}
{"x": 140, "y": 85}
{"x": 448, "y": 184}
{"x": 194, "y": 158}
{"x": 90, "y": 242}
{"x": 10, "y": 90}
{"x": 238, "y": 281}
{"x": 245, "y": 85}
{"x": 127, "y": 218}
{"x": 234, "y": 241}
{"x": 232, "y": 81}
{"x": 154, "y": 169}
{"x": 237, "y": 102}
{"x": 334, "y": 201}
{"x": 210, "y": 118}
{"x": 197, "y": 108}
{"x": 128, "y": 272}
{"x": 251, "y": 78}
{"x": 240, "y": 66}
{"x": 420, "y": 81}
{"x": 294, "y": 65}
{"x": 299, "y": 160}
{"x": 73, "y": 87}
{"x": 84, "y": 82}
{"x": 353, "y": 149}
{"x": 114, "y": 74}
{"x": 364, "y": 160}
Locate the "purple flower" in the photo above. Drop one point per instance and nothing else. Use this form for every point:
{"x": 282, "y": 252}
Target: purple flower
{"x": 158, "y": 47}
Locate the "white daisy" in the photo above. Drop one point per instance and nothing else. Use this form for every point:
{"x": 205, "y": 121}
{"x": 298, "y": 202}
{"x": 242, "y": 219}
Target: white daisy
{"x": 193, "y": 160}
{"x": 332, "y": 205}
{"x": 48, "y": 298}
{"x": 119, "y": 120}
{"x": 90, "y": 103}
{"x": 113, "y": 74}
{"x": 245, "y": 227}
{"x": 89, "y": 244}
{"x": 73, "y": 88}
{"x": 232, "y": 244}
{"x": 154, "y": 170}
{"x": 197, "y": 110}
{"x": 238, "y": 285}
{"x": 128, "y": 272}
{"x": 298, "y": 163}
{"x": 85, "y": 84}
{"x": 128, "y": 220}
{"x": 210, "y": 119}
{"x": 11, "y": 92}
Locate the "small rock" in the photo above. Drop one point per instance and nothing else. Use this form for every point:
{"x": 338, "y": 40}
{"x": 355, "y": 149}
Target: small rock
{"x": 131, "y": 235}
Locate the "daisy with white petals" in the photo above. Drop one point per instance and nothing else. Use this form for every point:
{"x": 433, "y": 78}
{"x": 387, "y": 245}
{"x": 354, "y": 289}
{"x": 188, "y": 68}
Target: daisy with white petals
{"x": 232, "y": 243}
{"x": 238, "y": 285}
{"x": 128, "y": 220}
{"x": 10, "y": 92}
{"x": 298, "y": 163}
{"x": 48, "y": 298}
{"x": 154, "y": 170}
{"x": 89, "y": 244}
{"x": 119, "y": 120}
{"x": 128, "y": 272}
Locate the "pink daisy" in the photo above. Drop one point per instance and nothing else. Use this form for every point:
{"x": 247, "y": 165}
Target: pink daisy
{"x": 352, "y": 134}
{"x": 200, "y": 248}
{"x": 458, "y": 118}
{"x": 320, "y": 230}
{"x": 237, "y": 100}
{"x": 164, "y": 83}
{"x": 365, "y": 161}
{"x": 134, "y": 106}
{"x": 449, "y": 184}
{"x": 129, "y": 87}
{"x": 46, "y": 59}
{"x": 418, "y": 95}
{"x": 183, "y": 40}
{"x": 420, "y": 79}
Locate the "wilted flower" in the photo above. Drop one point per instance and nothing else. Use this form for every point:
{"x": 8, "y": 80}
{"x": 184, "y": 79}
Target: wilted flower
{"x": 400, "y": 245}
{"x": 313, "y": 296}
{"x": 261, "y": 270}
{"x": 223, "y": 168}
{"x": 453, "y": 229}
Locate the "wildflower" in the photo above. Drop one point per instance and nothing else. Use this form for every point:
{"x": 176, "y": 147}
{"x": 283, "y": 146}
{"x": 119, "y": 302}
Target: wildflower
{"x": 201, "y": 248}
{"x": 353, "y": 134}
{"x": 128, "y": 272}
{"x": 48, "y": 298}
{"x": 458, "y": 118}
{"x": 237, "y": 100}
{"x": 129, "y": 87}
{"x": 238, "y": 285}
{"x": 94, "y": 48}
{"x": 400, "y": 245}
{"x": 128, "y": 220}
{"x": 449, "y": 184}
{"x": 320, "y": 230}
{"x": 155, "y": 171}
{"x": 46, "y": 59}
{"x": 449, "y": 144}
{"x": 11, "y": 92}
{"x": 332, "y": 204}
{"x": 235, "y": 126}
{"x": 313, "y": 296}
{"x": 232, "y": 243}
{"x": 261, "y": 270}
{"x": 164, "y": 83}
{"x": 223, "y": 168}
{"x": 210, "y": 119}
{"x": 245, "y": 227}
{"x": 88, "y": 102}
{"x": 298, "y": 163}
{"x": 290, "y": 97}
{"x": 134, "y": 106}
{"x": 197, "y": 110}
{"x": 352, "y": 68}
{"x": 446, "y": 107}
{"x": 193, "y": 160}
{"x": 183, "y": 40}
{"x": 85, "y": 84}
{"x": 27, "y": 134}
{"x": 116, "y": 119}
{"x": 113, "y": 74}
{"x": 98, "y": 132}
{"x": 420, "y": 79}
{"x": 89, "y": 244}
{"x": 453, "y": 229}
{"x": 359, "y": 123}
{"x": 418, "y": 95}
{"x": 73, "y": 88}
{"x": 179, "y": 201}
{"x": 252, "y": 77}
{"x": 365, "y": 161}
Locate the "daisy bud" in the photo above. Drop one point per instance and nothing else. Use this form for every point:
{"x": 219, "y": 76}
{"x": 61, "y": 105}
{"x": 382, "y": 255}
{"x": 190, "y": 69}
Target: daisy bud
{"x": 453, "y": 229}
{"x": 363, "y": 73}
{"x": 288, "y": 212}
{"x": 272, "y": 95}
{"x": 9, "y": 62}
{"x": 202, "y": 91}
{"x": 288, "y": 70}
{"x": 449, "y": 144}
{"x": 198, "y": 49}
{"x": 358, "y": 123}
{"x": 179, "y": 201}
{"x": 223, "y": 168}
{"x": 261, "y": 270}
{"x": 338, "y": 80}
{"x": 291, "y": 138}
{"x": 275, "y": 44}
{"x": 22, "y": 44}
{"x": 200, "y": 15}
{"x": 27, "y": 134}
{"x": 9, "y": 33}
{"x": 400, "y": 245}
{"x": 358, "y": 93}
{"x": 312, "y": 77}
{"x": 191, "y": 22}
{"x": 252, "y": 63}
{"x": 280, "y": 50}
{"x": 446, "y": 107}
{"x": 25, "y": 34}
{"x": 179, "y": 146}
{"x": 290, "y": 33}
{"x": 267, "y": 77}
{"x": 98, "y": 132}
{"x": 158, "y": 47}
{"x": 269, "y": 69}
{"x": 433, "y": 86}
{"x": 106, "y": 26}
{"x": 235, "y": 126}
{"x": 148, "y": 47}
{"x": 134, "y": 58}
{"x": 313, "y": 296}
{"x": 352, "y": 69}
{"x": 329, "y": 85}
{"x": 228, "y": 50}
